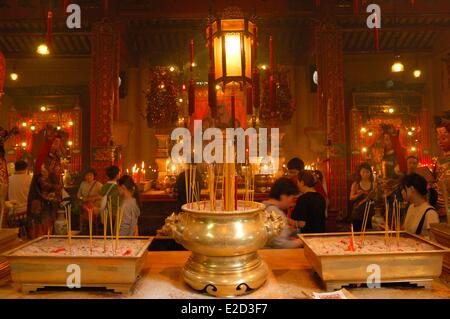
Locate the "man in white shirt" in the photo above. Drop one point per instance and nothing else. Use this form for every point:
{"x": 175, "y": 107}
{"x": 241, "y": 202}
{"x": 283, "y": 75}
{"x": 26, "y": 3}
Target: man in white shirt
{"x": 19, "y": 186}
{"x": 420, "y": 213}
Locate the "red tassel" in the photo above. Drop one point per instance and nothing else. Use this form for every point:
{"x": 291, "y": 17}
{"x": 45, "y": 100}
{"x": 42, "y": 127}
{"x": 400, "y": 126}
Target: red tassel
{"x": 191, "y": 97}
{"x": 411, "y": 3}
{"x": 355, "y": 7}
{"x": 249, "y": 100}
{"x": 49, "y": 28}
{"x": 106, "y": 5}
{"x": 317, "y": 2}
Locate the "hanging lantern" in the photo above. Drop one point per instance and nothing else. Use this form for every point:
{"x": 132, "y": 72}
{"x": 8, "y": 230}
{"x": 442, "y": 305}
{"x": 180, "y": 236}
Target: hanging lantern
{"x": 231, "y": 38}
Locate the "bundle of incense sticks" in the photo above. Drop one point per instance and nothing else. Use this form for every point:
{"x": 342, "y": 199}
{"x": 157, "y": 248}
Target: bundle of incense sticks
{"x": 110, "y": 213}
{"x": 119, "y": 216}
{"x": 229, "y": 182}
{"x": 396, "y": 219}
{"x": 90, "y": 213}
{"x": 249, "y": 185}
{"x": 386, "y": 222}
{"x": 192, "y": 187}
{"x": 212, "y": 187}
{"x": 351, "y": 241}
{"x": 365, "y": 219}
{"x": 68, "y": 212}
{"x": 105, "y": 228}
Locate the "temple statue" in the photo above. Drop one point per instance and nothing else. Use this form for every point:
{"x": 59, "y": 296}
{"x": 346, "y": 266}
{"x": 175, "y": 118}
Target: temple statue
{"x": 442, "y": 167}
{"x": 393, "y": 167}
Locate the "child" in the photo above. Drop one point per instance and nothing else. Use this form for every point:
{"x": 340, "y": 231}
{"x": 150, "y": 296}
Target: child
{"x": 282, "y": 196}
{"x": 111, "y": 190}
{"x": 129, "y": 205}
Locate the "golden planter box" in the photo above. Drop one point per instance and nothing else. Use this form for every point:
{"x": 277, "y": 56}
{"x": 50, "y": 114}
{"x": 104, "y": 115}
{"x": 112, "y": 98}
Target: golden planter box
{"x": 338, "y": 270}
{"x": 118, "y": 273}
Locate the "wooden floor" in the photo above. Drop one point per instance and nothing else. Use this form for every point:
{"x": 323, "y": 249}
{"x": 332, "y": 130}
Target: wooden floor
{"x": 290, "y": 277}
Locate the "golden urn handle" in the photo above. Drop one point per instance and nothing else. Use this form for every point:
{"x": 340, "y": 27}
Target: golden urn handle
{"x": 274, "y": 224}
{"x": 173, "y": 223}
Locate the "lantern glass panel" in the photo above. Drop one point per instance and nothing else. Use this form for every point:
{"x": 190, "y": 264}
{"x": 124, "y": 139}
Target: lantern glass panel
{"x": 218, "y": 57}
{"x": 233, "y": 54}
{"x": 233, "y": 25}
{"x": 248, "y": 56}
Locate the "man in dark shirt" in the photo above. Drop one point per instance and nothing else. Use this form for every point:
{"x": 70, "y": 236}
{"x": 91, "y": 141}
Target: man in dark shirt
{"x": 309, "y": 212}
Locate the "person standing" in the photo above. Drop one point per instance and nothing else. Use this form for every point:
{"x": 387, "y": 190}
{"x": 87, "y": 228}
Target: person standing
{"x": 89, "y": 197}
{"x": 46, "y": 188}
{"x": 411, "y": 164}
{"x": 4, "y": 136}
{"x": 18, "y": 189}
{"x": 130, "y": 206}
{"x": 362, "y": 191}
{"x": 110, "y": 191}
{"x": 309, "y": 212}
{"x": 420, "y": 213}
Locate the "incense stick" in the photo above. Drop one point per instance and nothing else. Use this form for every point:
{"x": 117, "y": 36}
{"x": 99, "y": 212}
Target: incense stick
{"x": 111, "y": 217}
{"x": 105, "y": 227}
{"x": 365, "y": 219}
{"x": 90, "y": 211}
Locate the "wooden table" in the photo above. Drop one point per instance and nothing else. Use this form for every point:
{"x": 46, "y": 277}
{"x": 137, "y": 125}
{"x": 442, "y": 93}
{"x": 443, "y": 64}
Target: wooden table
{"x": 290, "y": 275}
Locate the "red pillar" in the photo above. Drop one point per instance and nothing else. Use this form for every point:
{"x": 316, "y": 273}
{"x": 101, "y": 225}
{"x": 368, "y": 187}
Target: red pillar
{"x": 105, "y": 59}
{"x": 329, "y": 55}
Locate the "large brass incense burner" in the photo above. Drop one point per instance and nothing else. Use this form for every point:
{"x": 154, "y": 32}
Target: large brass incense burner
{"x": 224, "y": 244}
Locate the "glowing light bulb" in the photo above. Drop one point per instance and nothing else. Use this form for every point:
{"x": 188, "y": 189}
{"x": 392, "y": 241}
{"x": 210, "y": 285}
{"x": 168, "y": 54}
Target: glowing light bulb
{"x": 58, "y": 128}
{"x": 171, "y": 69}
{"x": 370, "y": 133}
{"x": 24, "y": 124}
{"x": 217, "y": 87}
{"x": 24, "y": 144}
{"x": 410, "y": 133}
{"x": 391, "y": 110}
{"x": 14, "y": 76}
{"x": 43, "y": 108}
{"x": 42, "y": 49}
{"x": 417, "y": 73}
{"x": 363, "y": 130}
{"x": 180, "y": 100}
{"x": 32, "y": 127}
{"x": 70, "y": 123}
{"x": 413, "y": 149}
{"x": 70, "y": 143}
{"x": 364, "y": 149}
{"x": 264, "y": 67}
